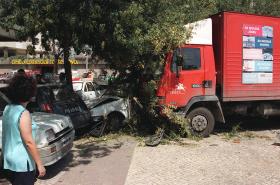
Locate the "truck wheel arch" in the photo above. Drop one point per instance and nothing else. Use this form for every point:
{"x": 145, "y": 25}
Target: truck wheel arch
{"x": 210, "y": 102}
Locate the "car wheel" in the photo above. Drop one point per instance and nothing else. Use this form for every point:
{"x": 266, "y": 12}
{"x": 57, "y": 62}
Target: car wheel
{"x": 114, "y": 121}
{"x": 201, "y": 121}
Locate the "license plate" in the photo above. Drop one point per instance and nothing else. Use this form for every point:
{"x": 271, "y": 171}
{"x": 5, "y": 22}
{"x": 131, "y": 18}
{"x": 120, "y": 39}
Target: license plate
{"x": 66, "y": 148}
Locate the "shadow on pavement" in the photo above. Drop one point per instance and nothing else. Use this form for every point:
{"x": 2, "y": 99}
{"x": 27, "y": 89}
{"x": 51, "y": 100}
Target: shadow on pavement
{"x": 81, "y": 154}
{"x": 248, "y": 124}
{"x": 3, "y": 181}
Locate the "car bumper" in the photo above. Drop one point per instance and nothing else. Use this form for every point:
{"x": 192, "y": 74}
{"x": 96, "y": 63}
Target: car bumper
{"x": 54, "y": 152}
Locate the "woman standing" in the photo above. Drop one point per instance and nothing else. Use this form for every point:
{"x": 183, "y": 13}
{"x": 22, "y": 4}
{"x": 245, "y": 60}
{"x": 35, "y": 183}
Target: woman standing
{"x": 20, "y": 153}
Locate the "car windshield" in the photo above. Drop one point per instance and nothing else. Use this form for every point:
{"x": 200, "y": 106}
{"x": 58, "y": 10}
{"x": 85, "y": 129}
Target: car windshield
{"x": 55, "y": 93}
{"x": 63, "y": 93}
{"x": 77, "y": 86}
{"x": 100, "y": 87}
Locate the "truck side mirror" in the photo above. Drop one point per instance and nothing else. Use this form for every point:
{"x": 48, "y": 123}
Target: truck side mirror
{"x": 179, "y": 64}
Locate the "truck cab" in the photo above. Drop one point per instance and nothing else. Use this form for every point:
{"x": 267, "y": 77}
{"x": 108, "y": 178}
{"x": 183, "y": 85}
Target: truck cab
{"x": 189, "y": 81}
{"x": 189, "y": 72}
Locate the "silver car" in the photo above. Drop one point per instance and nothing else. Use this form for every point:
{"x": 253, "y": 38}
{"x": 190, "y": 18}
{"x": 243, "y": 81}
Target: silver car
{"x": 54, "y": 137}
{"x": 113, "y": 108}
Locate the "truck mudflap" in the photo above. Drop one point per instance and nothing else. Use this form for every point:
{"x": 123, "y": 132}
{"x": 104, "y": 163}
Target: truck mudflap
{"x": 211, "y": 102}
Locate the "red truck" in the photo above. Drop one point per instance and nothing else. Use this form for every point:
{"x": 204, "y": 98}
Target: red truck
{"x": 231, "y": 65}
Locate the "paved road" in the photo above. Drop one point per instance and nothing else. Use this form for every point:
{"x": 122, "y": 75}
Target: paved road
{"x": 215, "y": 161}
{"x": 92, "y": 163}
{"x": 253, "y": 157}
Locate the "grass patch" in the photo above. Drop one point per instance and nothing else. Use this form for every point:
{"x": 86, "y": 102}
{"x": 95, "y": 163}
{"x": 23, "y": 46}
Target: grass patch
{"x": 249, "y": 135}
{"x": 235, "y": 132}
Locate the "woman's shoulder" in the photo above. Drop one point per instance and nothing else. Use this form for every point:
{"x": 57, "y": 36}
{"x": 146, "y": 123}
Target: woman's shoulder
{"x": 14, "y": 108}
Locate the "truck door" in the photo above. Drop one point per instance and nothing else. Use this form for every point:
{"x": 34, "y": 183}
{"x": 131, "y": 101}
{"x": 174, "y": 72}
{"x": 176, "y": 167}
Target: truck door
{"x": 190, "y": 80}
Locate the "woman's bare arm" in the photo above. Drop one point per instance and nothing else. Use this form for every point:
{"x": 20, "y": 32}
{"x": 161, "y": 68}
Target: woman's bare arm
{"x": 25, "y": 127}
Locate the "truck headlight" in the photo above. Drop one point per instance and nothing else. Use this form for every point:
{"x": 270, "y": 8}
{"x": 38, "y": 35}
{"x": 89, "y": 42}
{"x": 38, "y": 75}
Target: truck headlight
{"x": 50, "y": 135}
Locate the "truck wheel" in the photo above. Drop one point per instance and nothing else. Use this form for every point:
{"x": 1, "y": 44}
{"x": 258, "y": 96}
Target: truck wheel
{"x": 114, "y": 122}
{"x": 201, "y": 121}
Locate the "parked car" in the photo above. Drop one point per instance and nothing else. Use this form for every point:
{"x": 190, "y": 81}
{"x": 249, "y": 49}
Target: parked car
{"x": 89, "y": 90}
{"x": 54, "y": 136}
{"x": 55, "y": 98}
{"x": 58, "y": 99}
{"x": 112, "y": 108}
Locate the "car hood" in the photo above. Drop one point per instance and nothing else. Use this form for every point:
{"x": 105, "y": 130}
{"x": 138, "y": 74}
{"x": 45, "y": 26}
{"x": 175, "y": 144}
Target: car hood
{"x": 47, "y": 120}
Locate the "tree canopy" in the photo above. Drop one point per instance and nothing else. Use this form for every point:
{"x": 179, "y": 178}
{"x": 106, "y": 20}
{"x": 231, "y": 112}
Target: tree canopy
{"x": 129, "y": 34}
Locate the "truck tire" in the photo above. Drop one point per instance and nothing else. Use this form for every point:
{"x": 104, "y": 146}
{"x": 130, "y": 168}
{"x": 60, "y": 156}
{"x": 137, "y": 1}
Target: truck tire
{"x": 201, "y": 121}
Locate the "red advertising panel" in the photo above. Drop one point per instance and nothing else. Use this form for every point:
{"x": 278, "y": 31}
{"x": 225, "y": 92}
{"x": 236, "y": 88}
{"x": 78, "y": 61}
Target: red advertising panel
{"x": 247, "y": 53}
{"x": 254, "y": 30}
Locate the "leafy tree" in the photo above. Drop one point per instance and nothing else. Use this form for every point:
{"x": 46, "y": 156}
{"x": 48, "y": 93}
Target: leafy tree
{"x": 131, "y": 35}
{"x": 59, "y": 21}
{"x": 127, "y": 34}
{"x": 135, "y": 35}
{"x": 261, "y": 7}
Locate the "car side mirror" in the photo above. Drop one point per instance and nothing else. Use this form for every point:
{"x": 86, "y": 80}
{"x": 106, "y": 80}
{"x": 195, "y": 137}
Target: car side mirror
{"x": 179, "y": 64}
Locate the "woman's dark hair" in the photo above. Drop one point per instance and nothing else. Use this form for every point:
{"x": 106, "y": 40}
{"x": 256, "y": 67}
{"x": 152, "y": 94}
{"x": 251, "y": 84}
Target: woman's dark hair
{"x": 21, "y": 89}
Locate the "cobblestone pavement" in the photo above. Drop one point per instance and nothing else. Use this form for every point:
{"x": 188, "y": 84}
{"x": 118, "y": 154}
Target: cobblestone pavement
{"x": 214, "y": 160}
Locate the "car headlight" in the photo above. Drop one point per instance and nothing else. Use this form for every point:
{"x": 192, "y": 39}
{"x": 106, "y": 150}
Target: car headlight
{"x": 50, "y": 135}
{"x": 69, "y": 122}
{"x": 40, "y": 139}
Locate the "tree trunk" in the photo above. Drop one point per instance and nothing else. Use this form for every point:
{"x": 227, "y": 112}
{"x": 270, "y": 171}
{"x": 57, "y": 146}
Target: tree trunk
{"x": 67, "y": 67}
{"x": 55, "y": 65}
{"x": 56, "y": 57}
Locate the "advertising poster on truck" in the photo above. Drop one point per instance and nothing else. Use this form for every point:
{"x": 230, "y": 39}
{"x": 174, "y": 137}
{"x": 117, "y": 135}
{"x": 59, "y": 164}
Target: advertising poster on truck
{"x": 257, "y": 54}
{"x": 257, "y": 66}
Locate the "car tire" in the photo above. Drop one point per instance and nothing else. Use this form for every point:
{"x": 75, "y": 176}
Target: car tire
{"x": 201, "y": 121}
{"x": 114, "y": 122}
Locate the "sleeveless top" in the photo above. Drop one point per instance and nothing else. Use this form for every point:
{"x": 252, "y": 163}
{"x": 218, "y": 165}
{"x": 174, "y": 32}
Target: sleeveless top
{"x": 15, "y": 154}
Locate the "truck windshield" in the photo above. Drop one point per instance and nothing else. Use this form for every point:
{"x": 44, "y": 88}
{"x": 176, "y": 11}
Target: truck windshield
{"x": 191, "y": 58}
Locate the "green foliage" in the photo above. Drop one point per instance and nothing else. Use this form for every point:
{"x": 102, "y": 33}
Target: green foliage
{"x": 132, "y": 36}
{"x": 63, "y": 22}
{"x": 261, "y": 7}
{"x": 30, "y": 49}
{"x": 235, "y": 132}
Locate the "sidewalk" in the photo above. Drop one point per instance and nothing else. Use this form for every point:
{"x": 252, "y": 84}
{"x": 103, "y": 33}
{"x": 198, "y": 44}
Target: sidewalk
{"x": 211, "y": 161}
{"x": 92, "y": 163}
{"x": 215, "y": 161}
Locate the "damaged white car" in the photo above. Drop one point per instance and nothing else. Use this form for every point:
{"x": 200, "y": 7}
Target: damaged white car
{"x": 114, "y": 109}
